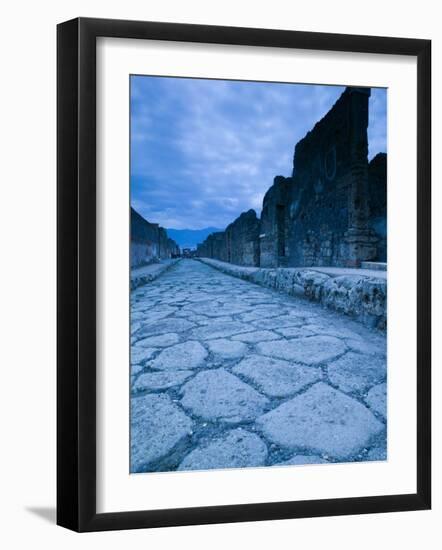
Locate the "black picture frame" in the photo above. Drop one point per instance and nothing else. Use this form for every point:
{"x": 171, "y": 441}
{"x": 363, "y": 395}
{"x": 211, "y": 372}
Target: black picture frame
{"x": 77, "y": 287}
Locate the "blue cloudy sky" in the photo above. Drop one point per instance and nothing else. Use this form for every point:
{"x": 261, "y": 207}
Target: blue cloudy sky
{"x": 203, "y": 151}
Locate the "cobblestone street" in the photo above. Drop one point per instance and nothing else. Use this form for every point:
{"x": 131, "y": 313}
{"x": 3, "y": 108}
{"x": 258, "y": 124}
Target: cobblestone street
{"x": 227, "y": 374}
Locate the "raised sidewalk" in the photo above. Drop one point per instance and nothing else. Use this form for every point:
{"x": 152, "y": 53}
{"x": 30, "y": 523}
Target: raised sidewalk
{"x": 146, "y": 273}
{"x": 359, "y": 293}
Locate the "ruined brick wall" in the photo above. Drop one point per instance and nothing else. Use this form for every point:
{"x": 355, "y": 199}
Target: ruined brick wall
{"x": 213, "y": 247}
{"x": 242, "y": 239}
{"x": 167, "y": 247}
{"x": 238, "y": 244}
{"x": 377, "y": 183}
{"x": 218, "y": 248}
{"x": 148, "y": 242}
{"x": 202, "y": 250}
{"x": 275, "y": 227}
{"x": 329, "y": 210}
{"x": 162, "y": 243}
{"x": 144, "y": 240}
{"x": 173, "y": 250}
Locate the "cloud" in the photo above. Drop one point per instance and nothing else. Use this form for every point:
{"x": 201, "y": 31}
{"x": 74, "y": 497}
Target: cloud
{"x": 203, "y": 151}
{"x": 377, "y": 125}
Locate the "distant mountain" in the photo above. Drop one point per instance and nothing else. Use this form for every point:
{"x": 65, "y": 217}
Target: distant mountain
{"x": 189, "y": 238}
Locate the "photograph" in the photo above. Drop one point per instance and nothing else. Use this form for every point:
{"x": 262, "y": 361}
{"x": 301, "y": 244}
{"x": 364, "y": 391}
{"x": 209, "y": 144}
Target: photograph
{"x": 258, "y": 274}
{"x": 227, "y": 219}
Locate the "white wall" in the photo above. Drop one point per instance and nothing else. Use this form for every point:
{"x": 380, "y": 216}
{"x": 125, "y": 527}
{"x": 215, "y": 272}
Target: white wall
{"x": 27, "y": 299}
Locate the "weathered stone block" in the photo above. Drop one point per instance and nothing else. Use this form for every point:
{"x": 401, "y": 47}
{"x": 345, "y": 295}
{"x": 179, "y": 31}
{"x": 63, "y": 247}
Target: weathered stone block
{"x": 227, "y": 349}
{"x": 236, "y": 449}
{"x": 274, "y": 377}
{"x": 217, "y": 395}
{"x": 299, "y": 460}
{"x": 312, "y": 350}
{"x": 157, "y": 426}
{"x": 154, "y": 381}
{"x": 377, "y": 399}
{"x": 322, "y": 420}
{"x": 188, "y": 355}
{"x": 354, "y": 372}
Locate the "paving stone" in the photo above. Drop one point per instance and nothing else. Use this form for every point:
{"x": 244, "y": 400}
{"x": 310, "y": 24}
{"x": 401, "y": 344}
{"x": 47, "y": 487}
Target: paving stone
{"x": 377, "y": 399}
{"x": 183, "y": 313}
{"x": 275, "y": 377}
{"x": 298, "y": 460}
{"x": 258, "y": 336}
{"x": 218, "y": 395}
{"x": 202, "y": 320}
{"x": 341, "y": 332}
{"x": 135, "y": 369}
{"x": 294, "y": 332}
{"x": 218, "y": 310}
{"x": 220, "y": 329}
{"x": 160, "y": 341}
{"x": 165, "y": 325}
{"x": 200, "y": 308}
{"x": 188, "y": 355}
{"x": 227, "y": 349}
{"x": 299, "y": 310}
{"x": 354, "y": 372}
{"x": 198, "y": 319}
{"x": 278, "y": 322}
{"x": 321, "y": 419}
{"x": 140, "y": 355}
{"x": 236, "y": 449}
{"x": 371, "y": 347}
{"x": 134, "y": 327}
{"x": 155, "y": 314}
{"x": 259, "y": 313}
{"x": 199, "y": 297}
{"x": 157, "y": 426}
{"x": 136, "y": 316}
{"x": 139, "y": 306}
{"x": 153, "y": 381}
{"x": 311, "y": 351}
{"x": 377, "y": 453}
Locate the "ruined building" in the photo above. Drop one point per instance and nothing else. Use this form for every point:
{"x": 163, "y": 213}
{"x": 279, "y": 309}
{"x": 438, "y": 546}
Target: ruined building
{"x": 377, "y": 182}
{"x": 149, "y": 241}
{"x": 331, "y": 211}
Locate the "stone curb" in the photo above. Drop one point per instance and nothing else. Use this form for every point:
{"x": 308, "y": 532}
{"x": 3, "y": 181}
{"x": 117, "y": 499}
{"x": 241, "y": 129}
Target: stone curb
{"x": 358, "y": 296}
{"x": 140, "y": 280}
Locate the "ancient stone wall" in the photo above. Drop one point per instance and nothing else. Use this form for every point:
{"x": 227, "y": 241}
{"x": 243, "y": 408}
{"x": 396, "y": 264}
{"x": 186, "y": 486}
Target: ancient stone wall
{"x": 242, "y": 240}
{"x": 330, "y": 212}
{"x": 163, "y": 244}
{"x": 149, "y": 242}
{"x": 275, "y": 226}
{"x": 238, "y": 244}
{"x": 377, "y": 181}
{"x": 361, "y": 296}
{"x": 213, "y": 247}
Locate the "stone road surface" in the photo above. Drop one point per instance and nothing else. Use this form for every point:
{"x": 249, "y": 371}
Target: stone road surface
{"x": 226, "y": 374}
